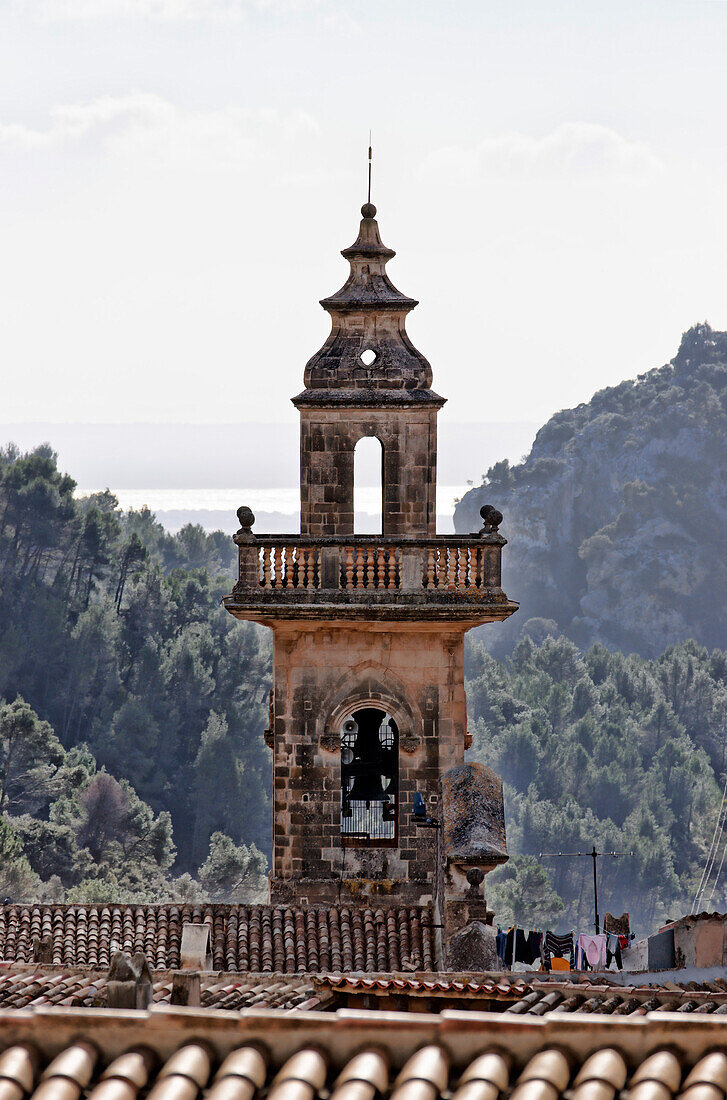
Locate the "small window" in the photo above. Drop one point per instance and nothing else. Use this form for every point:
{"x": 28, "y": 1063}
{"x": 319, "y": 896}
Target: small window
{"x": 369, "y": 778}
{"x": 368, "y": 357}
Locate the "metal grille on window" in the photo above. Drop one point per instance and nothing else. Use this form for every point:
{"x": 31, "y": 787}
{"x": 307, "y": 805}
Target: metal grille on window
{"x": 369, "y": 777}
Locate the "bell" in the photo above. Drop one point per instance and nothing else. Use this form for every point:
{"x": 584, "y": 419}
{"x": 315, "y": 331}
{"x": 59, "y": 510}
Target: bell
{"x": 367, "y": 788}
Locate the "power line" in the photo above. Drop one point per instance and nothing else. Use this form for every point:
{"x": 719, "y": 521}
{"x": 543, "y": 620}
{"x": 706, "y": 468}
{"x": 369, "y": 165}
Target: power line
{"x": 719, "y": 872}
{"x": 709, "y": 861}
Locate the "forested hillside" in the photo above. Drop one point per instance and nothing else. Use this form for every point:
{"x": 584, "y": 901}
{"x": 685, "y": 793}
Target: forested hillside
{"x": 131, "y": 745}
{"x": 623, "y": 752}
{"x": 617, "y": 519}
{"x": 132, "y": 762}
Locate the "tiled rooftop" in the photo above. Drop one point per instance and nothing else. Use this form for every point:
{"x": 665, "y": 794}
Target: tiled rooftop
{"x": 181, "y": 1054}
{"x": 427, "y": 992}
{"x": 535, "y": 994}
{"x": 33, "y": 987}
{"x": 604, "y": 998}
{"x": 244, "y": 938}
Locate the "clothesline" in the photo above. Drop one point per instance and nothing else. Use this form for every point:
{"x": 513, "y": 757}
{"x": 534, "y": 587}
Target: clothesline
{"x": 573, "y": 951}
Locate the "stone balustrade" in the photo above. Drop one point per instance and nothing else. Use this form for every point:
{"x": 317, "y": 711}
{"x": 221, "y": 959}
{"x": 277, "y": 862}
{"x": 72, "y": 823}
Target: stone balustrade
{"x": 370, "y": 576}
{"x": 456, "y": 566}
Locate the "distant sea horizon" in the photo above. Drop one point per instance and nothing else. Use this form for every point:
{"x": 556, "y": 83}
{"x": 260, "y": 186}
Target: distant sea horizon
{"x": 192, "y": 473}
{"x": 276, "y": 509}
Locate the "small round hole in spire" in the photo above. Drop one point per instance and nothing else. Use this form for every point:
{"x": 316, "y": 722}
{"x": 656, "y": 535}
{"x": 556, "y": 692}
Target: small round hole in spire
{"x": 368, "y": 357}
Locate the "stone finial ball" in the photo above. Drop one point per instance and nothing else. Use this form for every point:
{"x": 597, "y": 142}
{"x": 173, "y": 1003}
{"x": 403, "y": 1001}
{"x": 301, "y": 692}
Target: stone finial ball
{"x": 491, "y": 516}
{"x": 246, "y": 516}
{"x": 368, "y": 210}
{"x": 475, "y": 876}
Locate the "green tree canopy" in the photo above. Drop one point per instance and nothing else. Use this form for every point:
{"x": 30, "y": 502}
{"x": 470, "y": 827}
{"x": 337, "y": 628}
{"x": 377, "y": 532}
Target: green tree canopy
{"x": 233, "y": 872}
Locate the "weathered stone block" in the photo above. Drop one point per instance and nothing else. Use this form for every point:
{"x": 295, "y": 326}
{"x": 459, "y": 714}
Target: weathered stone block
{"x": 474, "y": 948}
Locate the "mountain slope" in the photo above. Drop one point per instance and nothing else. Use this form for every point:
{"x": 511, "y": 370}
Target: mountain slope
{"x": 617, "y": 519}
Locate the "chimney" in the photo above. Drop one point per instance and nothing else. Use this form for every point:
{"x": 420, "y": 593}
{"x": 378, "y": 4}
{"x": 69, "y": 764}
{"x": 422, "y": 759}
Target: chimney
{"x": 186, "y": 988}
{"x": 129, "y": 982}
{"x": 195, "y": 948}
{"x": 43, "y": 949}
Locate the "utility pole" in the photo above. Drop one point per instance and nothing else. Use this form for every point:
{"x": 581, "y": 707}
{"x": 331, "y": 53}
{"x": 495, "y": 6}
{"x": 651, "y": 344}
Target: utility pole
{"x": 594, "y": 855}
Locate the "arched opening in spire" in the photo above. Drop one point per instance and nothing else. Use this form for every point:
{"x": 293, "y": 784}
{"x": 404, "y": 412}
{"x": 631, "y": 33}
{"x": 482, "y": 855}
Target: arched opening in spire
{"x": 368, "y": 499}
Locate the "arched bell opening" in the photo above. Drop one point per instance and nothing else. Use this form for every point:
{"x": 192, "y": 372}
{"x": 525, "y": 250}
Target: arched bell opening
{"x": 369, "y": 779}
{"x": 368, "y": 486}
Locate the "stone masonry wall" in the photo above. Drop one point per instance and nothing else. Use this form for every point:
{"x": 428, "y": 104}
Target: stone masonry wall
{"x": 327, "y": 440}
{"x": 322, "y": 674}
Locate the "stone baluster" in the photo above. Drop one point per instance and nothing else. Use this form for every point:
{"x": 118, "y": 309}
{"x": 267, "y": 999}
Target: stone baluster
{"x": 349, "y": 567}
{"x": 277, "y": 567}
{"x": 462, "y": 579}
{"x": 452, "y": 568}
{"x": 477, "y": 555}
{"x": 431, "y": 567}
{"x": 360, "y": 567}
{"x": 370, "y": 567}
{"x": 391, "y": 574}
{"x": 380, "y": 568}
{"x": 440, "y": 555}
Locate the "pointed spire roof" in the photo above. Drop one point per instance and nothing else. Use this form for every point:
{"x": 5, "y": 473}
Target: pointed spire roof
{"x": 368, "y": 357}
{"x": 368, "y": 286}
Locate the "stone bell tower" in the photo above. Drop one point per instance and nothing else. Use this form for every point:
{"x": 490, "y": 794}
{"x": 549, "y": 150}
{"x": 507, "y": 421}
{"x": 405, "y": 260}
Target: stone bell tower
{"x": 368, "y": 714}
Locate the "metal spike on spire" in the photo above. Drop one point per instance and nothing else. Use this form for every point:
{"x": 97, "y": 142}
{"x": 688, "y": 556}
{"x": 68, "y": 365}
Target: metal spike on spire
{"x": 369, "y": 197}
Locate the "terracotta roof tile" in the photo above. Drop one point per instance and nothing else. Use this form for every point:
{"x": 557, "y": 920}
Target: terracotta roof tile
{"x": 567, "y": 995}
{"x": 231, "y": 991}
{"x": 428, "y": 985}
{"x": 424, "y": 1076}
{"x": 178, "y": 1054}
{"x": 710, "y": 1070}
{"x": 253, "y": 938}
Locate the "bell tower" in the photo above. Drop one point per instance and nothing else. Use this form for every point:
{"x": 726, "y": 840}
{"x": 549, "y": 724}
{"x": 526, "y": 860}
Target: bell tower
{"x": 368, "y": 719}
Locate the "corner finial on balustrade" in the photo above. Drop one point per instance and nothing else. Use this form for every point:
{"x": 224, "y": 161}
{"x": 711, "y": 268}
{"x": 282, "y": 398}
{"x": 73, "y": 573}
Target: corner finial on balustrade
{"x": 491, "y": 519}
{"x": 246, "y": 516}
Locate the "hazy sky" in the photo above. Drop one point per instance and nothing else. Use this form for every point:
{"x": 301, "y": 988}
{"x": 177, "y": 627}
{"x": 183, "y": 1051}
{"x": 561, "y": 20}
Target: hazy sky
{"x": 177, "y": 178}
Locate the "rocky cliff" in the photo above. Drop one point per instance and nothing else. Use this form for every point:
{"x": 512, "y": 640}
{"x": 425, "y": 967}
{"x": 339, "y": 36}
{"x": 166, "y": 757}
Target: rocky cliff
{"x": 617, "y": 519}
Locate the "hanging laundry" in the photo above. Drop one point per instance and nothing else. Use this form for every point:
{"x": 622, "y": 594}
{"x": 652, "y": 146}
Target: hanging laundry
{"x": 591, "y": 952}
{"x": 613, "y": 950}
{"x": 501, "y": 942}
{"x": 535, "y": 942}
{"x": 557, "y": 946}
{"x": 526, "y": 946}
